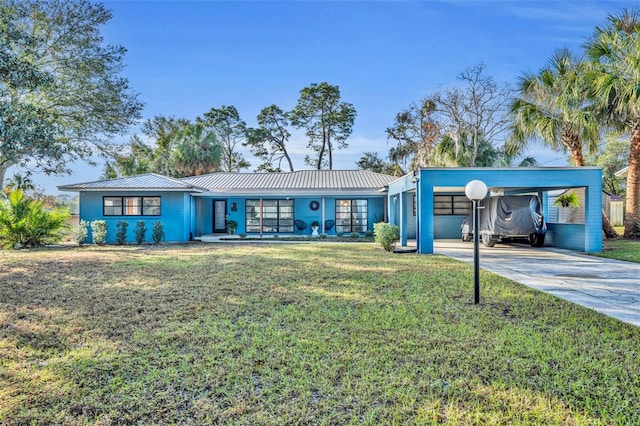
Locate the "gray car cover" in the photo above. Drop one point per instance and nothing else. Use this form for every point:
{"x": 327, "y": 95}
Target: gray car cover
{"x": 512, "y": 215}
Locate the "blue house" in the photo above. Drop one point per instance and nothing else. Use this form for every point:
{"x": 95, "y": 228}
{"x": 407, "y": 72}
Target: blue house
{"x": 428, "y": 204}
{"x": 341, "y": 201}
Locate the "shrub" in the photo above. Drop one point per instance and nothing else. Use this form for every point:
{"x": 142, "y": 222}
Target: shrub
{"x": 99, "y": 231}
{"x": 158, "y": 232}
{"x": 323, "y": 235}
{"x": 355, "y": 235}
{"x": 81, "y": 233}
{"x": 26, "y": 223}
{"x": 121, "y": 232}
{"x": 368, "y": 233}
{"x": 276, "y": 236}
{"x": 387, "y": 235}
{"x": 340, "y": 234}
{"x": 243, "y": 235}
{"x": 141, "y": 231}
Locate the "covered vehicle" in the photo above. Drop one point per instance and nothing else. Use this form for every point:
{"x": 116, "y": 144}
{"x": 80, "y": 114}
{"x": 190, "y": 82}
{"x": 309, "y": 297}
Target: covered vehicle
{"x": 508, "y": 217}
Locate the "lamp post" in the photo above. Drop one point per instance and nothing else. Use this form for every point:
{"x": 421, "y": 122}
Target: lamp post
{"x": 476, "y": 190}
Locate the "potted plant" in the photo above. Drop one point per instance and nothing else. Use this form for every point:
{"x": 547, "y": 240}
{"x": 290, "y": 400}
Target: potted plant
{"x": 568, "y": 199}
{"x": 232, "y": 225}
{"x": 314, "y": 228}
{"x": 567, "y": 203}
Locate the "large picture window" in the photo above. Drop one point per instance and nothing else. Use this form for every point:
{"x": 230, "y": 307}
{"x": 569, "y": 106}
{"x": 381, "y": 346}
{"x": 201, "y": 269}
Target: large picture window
{"x": 131, "y": 206}
{"x": 351, "y": 216}
{"x": 277, "y": 215}
{"x": 447, "y": 205}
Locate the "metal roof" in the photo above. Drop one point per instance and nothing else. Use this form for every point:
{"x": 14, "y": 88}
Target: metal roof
{"x": 146, "y": 181}
{"x": 300, "y": 180}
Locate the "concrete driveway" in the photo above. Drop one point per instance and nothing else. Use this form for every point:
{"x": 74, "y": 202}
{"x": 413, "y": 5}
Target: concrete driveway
{"x": 608, "y": 286}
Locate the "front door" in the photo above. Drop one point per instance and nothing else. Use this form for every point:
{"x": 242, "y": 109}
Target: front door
{"x": 219, "y": 216}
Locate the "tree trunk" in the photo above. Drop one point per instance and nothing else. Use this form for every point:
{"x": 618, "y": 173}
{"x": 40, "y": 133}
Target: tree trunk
{"x": 578, "y": 160}
{"x": 608, "y": 230}
{"x": 3, "y": 171}
{"x": 632, "y": 208}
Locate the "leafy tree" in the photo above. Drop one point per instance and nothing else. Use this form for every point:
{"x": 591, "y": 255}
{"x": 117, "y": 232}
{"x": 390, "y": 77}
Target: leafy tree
{"x": 61, "y": 95}
{"x": 268, "y": 142}
{"x": 181, "y": 148}
{"x": 371, "y": 161}
{"x": 328, "y": 122}
{"x": 611, "y": 156}
{"x": 17, "y": 181}
{"x": 230, "y": 132}
{"x": 136, "y": 158}
{"x": 615, "y": 78}
{"x": 26, "y": 223}
{"x": 415, "y": 132}
{"x": 554, "y": 107}
{"x": 475, "y": 113}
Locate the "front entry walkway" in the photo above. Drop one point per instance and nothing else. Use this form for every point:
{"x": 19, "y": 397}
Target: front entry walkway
{"x": 608, "y": 286}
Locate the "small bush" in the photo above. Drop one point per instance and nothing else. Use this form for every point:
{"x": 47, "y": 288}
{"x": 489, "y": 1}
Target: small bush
{"x": 355, "y": 235}
{"x": 141, "y": 231}
{"x": 158, "y": 232}
{"x": 340, "y": 234}
{"x": 121, "y": 232}
{"x": 99, "y": 231}
{"x": 387, "y": 235}
{"x": 276, "y": 236}
{"x": 81, "y": 233}
{"x": 323, "y": 235}
{"x": 368, "y": 233}
{"x": 243, "y": 235}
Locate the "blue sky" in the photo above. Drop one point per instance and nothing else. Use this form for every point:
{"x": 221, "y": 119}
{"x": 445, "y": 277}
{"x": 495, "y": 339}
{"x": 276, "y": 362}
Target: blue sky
{"x": 186, "y": 57}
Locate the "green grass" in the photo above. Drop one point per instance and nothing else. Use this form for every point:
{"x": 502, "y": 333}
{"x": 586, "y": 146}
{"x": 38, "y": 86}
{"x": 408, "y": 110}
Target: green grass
{"x": 279, "y": 334}
{"x": 621, "y": 249}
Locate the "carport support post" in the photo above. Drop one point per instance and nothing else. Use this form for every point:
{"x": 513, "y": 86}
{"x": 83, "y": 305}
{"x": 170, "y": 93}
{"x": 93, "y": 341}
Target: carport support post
{"x": 476, "y": 253}
{"x": 476, "y": 190}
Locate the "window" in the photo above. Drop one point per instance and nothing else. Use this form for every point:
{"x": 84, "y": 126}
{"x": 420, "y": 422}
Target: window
{"x": 451, "y": 205}
{"x": 351, "y": 216}
{"x": 131, "y": 206}
{"x": 277, "y": 215}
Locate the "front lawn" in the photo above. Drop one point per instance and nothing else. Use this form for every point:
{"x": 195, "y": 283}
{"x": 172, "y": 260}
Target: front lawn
{"x": 621, "y": 249}
{"x": 277, "y": 334}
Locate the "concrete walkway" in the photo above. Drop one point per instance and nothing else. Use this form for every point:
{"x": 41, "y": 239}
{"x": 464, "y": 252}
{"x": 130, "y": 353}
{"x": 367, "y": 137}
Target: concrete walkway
{"x": 608, "y": 286}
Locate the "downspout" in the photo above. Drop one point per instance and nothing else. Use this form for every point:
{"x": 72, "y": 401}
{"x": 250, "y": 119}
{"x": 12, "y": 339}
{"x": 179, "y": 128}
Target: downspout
{"x": 199, "y": 231}
{"x": 323, "y": 231}
{"x": 261, "y": 217}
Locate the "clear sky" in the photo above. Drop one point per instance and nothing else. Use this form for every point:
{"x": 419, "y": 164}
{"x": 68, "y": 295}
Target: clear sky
{"x": 185, "y": 57}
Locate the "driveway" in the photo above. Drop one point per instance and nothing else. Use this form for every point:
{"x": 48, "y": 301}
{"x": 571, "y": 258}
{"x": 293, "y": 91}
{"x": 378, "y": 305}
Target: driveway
{"x": 608, "y": 286}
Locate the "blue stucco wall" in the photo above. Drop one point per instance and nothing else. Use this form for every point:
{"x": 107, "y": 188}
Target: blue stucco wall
{"x": 447, "y": 227}
{"x": 566, "y": 235}
{"x": 175, "y": 209}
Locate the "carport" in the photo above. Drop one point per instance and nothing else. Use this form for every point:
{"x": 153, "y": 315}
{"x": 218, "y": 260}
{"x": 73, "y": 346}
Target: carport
{"x": 430, "y": 203}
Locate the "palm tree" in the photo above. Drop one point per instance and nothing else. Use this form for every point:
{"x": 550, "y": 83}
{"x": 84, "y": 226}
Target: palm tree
{"x": 556, "y": 107}
{"x": 615, "y": 52}
{"x": 197, "y": 152}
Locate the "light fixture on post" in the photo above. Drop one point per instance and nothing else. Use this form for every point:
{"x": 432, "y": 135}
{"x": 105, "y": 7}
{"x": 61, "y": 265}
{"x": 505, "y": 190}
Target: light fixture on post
{"x": 476, "y": 190}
